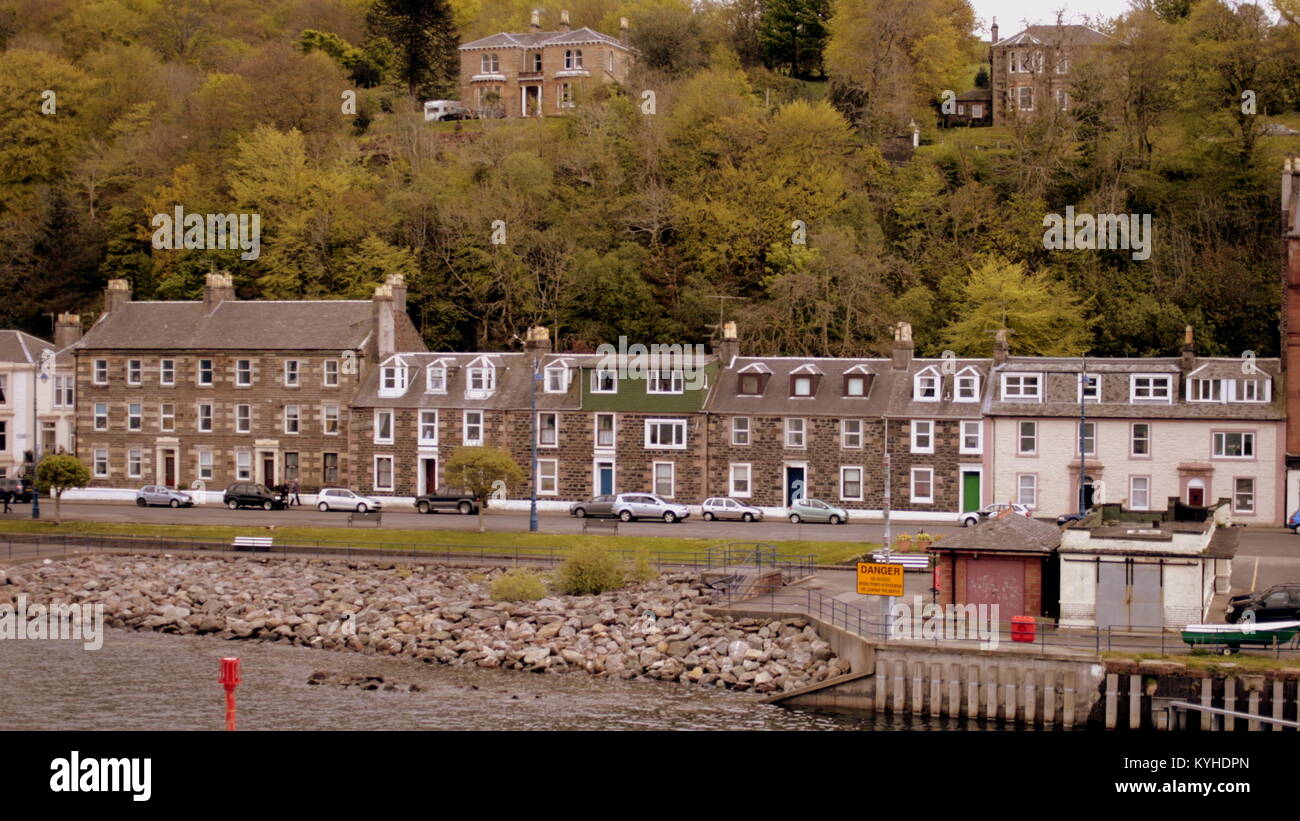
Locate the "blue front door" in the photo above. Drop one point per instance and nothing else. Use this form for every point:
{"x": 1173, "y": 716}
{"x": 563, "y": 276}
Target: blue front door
{"x": 794, "y": 484}
{"x": 606, "y": 478}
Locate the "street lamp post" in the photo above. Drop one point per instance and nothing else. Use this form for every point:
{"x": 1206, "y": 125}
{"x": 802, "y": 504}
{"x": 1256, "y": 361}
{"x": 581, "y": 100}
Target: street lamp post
{"x": 37, "y": 376}
{"x": 532, "y": 428}
{"x": 1083, "y": 425}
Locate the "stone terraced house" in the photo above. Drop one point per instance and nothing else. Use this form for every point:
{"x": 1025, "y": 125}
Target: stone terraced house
{"x": 202, "y": 394}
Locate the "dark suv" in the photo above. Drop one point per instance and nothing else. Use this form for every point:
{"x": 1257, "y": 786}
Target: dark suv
{"x": 1280, "y": 602}
{"x": 21, "y": 490}
{"x": 251, "y": 494}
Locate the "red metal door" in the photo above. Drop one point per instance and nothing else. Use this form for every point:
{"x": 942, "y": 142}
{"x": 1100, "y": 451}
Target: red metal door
{"x": 997, "y": 581}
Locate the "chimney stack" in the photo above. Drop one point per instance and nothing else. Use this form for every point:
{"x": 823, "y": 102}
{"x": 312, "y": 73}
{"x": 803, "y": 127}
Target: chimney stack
{"x": 993, "y": 31}
{"x": 622, "y": 30}
{"x": 67, "y": 330}
{"x": 1001, "y": 347}
{"x": 903, "y": 347}
{"x": 728, "y": 347}
{"x": 1291, "y": 298}
{"x": 117, "y": 294}
{"x": 564, "y": 20}
{"x": 1189, "y": 350}
{"x": 385, "y": 326}
{"x": 535, "y": 22}
{"x": 537, "y": 341}
{"x": 397, "y": 284}
{"x": 217, "y": 288}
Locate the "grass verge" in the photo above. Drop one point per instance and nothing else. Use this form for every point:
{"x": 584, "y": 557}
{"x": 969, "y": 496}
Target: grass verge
{"x": 1244, "y": 661}
{"x": 824, "y": 552}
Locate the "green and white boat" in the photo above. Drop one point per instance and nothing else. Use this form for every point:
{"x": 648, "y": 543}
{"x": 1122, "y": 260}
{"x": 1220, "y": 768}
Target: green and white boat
{"x": 1231, "y": 637}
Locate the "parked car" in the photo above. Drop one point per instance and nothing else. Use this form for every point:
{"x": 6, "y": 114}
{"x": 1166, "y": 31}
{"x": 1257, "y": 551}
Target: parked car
{"x": 722, "y": 507}
{"x": 1294, "y": 522}
{"x": 21, "y": 490}
{"x": 441, "y": 110}
{"x": 815, "y": 510}
{"x": 1281, "y": 602}
{"x": 629, "y": 506}
{"x": 990, "y": 511}
{"x": 251, "y": 494}
{"x": 1071, "y": 518}
{"x": 340, "y": 498}
{"x": 447, "y": 499}
{"x": 162, "y": 495}
{"x": 598, "y": 506}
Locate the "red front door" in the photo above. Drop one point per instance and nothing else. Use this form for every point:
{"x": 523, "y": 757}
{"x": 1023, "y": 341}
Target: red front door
{"x": 1196, "y": 496}
{"x": 430, "y": 475}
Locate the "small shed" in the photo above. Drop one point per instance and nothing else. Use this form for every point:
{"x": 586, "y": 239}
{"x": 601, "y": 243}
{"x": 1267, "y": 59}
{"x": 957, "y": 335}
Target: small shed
{"x": 1007, "y": 561}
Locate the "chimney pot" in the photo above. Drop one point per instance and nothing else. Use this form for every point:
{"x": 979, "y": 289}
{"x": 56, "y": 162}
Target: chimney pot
{"x": 217, "y": 288}
{"x": 1001, "y": 347}
{"x": 564, "y": 20}
{"x": 67, "y": 330}
{"x": 535, "y": 22}
{"x": 727, "y": 348}
{"x": 117, "y": 294}
{"x": 902, "y": 353}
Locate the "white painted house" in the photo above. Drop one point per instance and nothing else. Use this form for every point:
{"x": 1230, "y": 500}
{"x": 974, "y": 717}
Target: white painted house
{"x": 36, "y": 396}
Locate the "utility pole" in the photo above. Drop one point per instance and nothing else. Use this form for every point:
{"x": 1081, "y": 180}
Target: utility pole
{"x": 532, "y": 428}
{"x": 1083, "y": 420}
{"x": 887, "y": 602}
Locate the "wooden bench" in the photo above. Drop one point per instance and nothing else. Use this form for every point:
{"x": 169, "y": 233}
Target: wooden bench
{"x": 262, "y": 543}
{"x": 909, "y": 561}
{"x": 368, "y": 516}
{"x": 609, "y": 526}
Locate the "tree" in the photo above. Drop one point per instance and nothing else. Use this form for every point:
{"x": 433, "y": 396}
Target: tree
{"x": 1045, "y": 318}
{"x": 424, "y": 36}
{"x": 793, "y": 34}
{"x": 59, "y": 472}
{"x": 478, "y": 471}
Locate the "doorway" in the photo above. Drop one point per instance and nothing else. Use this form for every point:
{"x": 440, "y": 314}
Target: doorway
{"x": 1196, "y": 493}
{"x": 169, "y": 467}
{"x": 970, "y": 490}
{"x": 268, "y": 469}
{"x": 1086, "y": 493}
{"x": 429, "y": 474}
{"x": 531, "y": 101}
{"x": 604, "y": 477}
{"x": 795, "y": 484}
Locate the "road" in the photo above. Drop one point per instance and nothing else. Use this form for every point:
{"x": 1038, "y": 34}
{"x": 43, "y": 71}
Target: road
{"x": 496, "y": 522}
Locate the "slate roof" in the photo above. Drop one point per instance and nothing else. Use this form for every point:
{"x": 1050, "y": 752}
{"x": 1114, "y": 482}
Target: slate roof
{"x": 512, "y": 383}
{"x": 1065, "y": 35}
{"x": 828, "y": 399}
{"x": 238, "y": 325}
{"x": 1011, "y": 533}
{"x": 23, "y": 348}
{"x": 541, "y": 39}
{"x": 1061, "y": 398}
{"x": 976, "y": 95}
{"x": 903, "y": 406}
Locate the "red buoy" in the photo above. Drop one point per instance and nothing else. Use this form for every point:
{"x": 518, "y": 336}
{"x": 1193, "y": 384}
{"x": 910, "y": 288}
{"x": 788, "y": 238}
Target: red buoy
{"x": 230, "y": 680}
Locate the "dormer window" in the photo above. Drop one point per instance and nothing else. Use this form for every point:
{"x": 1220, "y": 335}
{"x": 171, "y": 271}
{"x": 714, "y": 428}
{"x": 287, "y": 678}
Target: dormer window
{"x": 967, "y": 386}
{"x": 1252, "y": 390}
{"x": 435, "y": 378}
{"x": 1089, "y": 387}
{"x": 665, "y": 382}
{"x": 1150, "y": 388}
{"x": 481, "y": 378}
{"x": 557, "y": 379}
{"x": 749, "y": 384}
{"x": 1022, "y": 387}
{"x": 392, "y": 380}
{"x": 925, "y": 386}
{"x": 1206, "y": 390}
{"x": 855, "y": 385}
{"x": 604, "y": 380}
{"x": 801, "y": 386}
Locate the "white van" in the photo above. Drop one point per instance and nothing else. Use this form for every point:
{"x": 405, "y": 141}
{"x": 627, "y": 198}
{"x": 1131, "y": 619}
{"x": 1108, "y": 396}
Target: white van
{"x": 445, "y": 110}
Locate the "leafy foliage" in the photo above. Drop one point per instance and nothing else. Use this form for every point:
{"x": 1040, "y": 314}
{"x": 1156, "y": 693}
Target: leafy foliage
{"x": 518, "y": 584}
{"x": 590, "y": 569}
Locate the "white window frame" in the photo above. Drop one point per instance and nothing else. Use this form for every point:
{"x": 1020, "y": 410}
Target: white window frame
{"x": 734, "y": 489}
{"x": 423, "y": 425}
{"x": 247, "y": 427}
{"x": 101, "y": 419}
{"x": 200, "y": 418}
{"x": 596, "y": 375}
{"x": 1133, "y": 503}
{"x": 794, "y": 436}
{"x": 672, "y": 479}
{"x": 1236, "y": 494}
{"x": 613, "y": 430}
{"x": 676, "y": 382}
{"x": 391, "y": 416}
{"x": 330, "y": 373}
{"x": 101, "y": 467}
{"x": 392, "y": 472}
{"x": 1220, "y": 442}
{"x": 166, "y": 421}
{"x": 240, "y": 373}
{"x": 966, "y": 426}
{"x": 435, "y": 379}
{"x": 244, "y": 465}
{"x": 1195, "y": 392}
{"x": 846, "y": 434}
{"x": 1133, "y": 439}
{"x": 1152, "y": 379}
{"x": 966, "y": 380}
{"x": 653, "y": 427}
{"x": 557, "y": 379}
{"x": 804, "y": 381}
{"x": 466, "y": 426}
{"x": 922, "y": 435}
{"x": 548, "y": 470}
{"x": 1094, "y": 380}
{"x": 134, "y": 371}
{"x": 200, "y": 372}
{"x": 167, "y": 372}
{"x": 861, "y": 480}
{"x": 328, "y": 413}
{"x": 135, "y": 419}
{"x": 1020, "y": 437}
{"x": 292, "y": 373}
{"x": 927, "y": 381}
{"x": 921, "y": 500}
{"x": 134, "y": 463}
{"x": 292, "y": 413}
{"x": 1032, "y": 503}
{"x": 485, "y": 375}
{"x": 206, "y": 467}
{"x": 1022, "y": 381}
{"x": 392, "y": 380}
{"x": 99, "y": 372}
{"x": 736, "y": 432}
{"x": 555, "y": 429}
{"x": 1081, "y": 436}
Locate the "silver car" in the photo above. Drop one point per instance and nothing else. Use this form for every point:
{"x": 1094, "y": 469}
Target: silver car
{"x": 340, "y": 498}
{"x": 162, "y": 495}
{"x": 599, "y": 506}
{"x": 722, "y": 507}
{"x": 629, "y": 506}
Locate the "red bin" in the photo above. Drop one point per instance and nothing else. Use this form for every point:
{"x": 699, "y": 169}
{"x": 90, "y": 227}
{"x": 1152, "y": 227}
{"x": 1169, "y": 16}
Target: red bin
{"x": 1023, "y": 628}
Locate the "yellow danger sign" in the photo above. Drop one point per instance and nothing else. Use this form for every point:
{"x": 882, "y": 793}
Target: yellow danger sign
{"x": 880, "y": 579}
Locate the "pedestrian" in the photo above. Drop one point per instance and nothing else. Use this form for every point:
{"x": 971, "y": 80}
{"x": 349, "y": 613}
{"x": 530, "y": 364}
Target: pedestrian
{"x": 294, "y": 487}
{"x": 8, "y": 497}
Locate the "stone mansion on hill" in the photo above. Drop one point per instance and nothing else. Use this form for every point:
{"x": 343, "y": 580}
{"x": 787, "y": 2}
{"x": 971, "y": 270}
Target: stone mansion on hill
{"x": 344, "y": 392}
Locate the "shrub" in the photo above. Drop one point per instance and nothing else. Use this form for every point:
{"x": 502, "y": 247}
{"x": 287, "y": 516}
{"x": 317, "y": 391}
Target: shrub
{"x": 518, "y": 585}
{"x": 589, "y": 569}
{"x": 641, "y": 569}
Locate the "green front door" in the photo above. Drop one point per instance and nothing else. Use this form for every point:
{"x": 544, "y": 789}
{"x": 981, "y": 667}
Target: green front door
{"x": 970, "y": 491}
